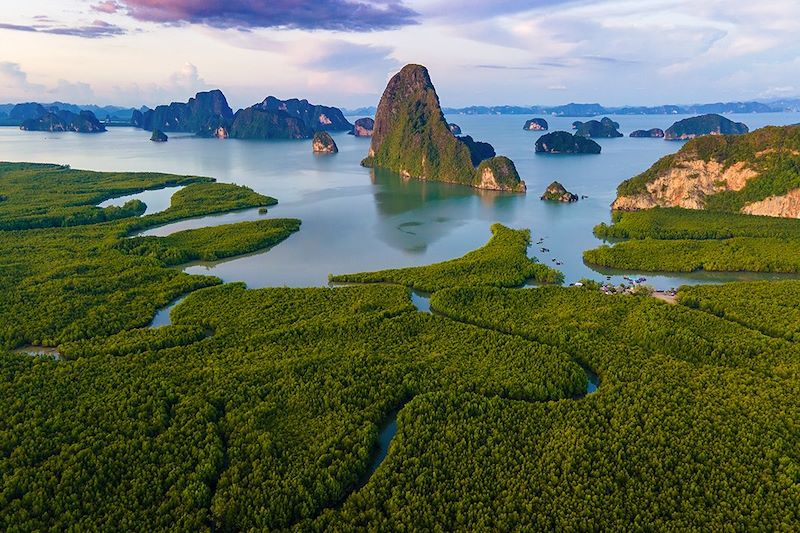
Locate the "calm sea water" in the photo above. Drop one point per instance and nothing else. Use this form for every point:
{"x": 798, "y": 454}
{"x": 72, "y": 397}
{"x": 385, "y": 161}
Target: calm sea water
{"x": 356, "y": 219}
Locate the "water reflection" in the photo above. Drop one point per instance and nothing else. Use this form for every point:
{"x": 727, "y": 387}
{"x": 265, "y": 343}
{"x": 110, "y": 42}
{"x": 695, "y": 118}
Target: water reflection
{"x": 413, "y": 214}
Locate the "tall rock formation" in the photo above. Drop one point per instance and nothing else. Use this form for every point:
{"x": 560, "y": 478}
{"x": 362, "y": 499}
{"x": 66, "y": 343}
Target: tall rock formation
{"x": 412, "y": 137}
{"x": 286, "y": 119}
{"x": 202, "y": 115}
{"x": 258, "y": 123}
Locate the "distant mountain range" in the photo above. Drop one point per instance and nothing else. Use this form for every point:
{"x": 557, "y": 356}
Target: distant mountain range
{"x": 109, "y": 113}
{"x": 119, "y": 115}
{"x": 593, "y": 110}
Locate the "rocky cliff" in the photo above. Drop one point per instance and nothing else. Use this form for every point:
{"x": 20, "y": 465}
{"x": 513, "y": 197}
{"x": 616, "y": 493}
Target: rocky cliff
{"x": 363, "y": 127}
{"x": 202, "y": 115}
{"x": 754, "y": 173}
{"x": 710, "y": 124}
{"x": 258, "y": 123}
{"x": 316, "y": 117}
{"x": 323, "y": 143}
{"x": 412, "y": 138}
{"x": 498, "y": 174}
{"x": 137, "y": 119}
{"x": 286, "y": 119}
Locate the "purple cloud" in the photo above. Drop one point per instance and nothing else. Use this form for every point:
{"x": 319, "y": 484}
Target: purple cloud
{"x": 337, "y": 15}
{"x": 95, "y": 30}
{"x": 107, "y": 6}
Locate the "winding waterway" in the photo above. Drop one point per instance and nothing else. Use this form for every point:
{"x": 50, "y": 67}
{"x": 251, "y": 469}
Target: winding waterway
{"x": 156, "y": 200}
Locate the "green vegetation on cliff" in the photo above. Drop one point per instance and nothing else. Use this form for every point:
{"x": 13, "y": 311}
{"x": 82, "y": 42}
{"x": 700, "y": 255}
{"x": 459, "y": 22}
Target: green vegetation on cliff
{"x": 257, "y": 123}
{"x": 772, "y": 152}
{"x": 498, "y": 173}
{"x": 502, "y": 262}
{"x": 411, "y": 136}
{"x": 762, "y": 164}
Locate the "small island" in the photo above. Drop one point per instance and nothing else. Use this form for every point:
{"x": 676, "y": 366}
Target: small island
{"x": 455, "y": 129}
{"x": 597, "y": 129}
{"x": 711, "y": 124}
{"x": 563, "y": 142}
{"x": 363, "y": 127}
{"x": 655, "y": 133}
{"x": 159, "y": 136}
{"x": 323, "y": 143}
{"x": 556, "y": 192}
{"x": 535, "y": 124}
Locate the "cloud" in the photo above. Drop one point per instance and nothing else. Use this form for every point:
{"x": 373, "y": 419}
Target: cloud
{"x": 95, "y": 30}
{"x": 79, "y": 92}
{"x": 508, "y": 67}
{"x": 178, "y": 87}
{"x": 187, "y": 78}
{"x": 337, "y": 15}
{"x": 471, "y": 10}
{"x": 14, "y": 81}
{"x": 16, "y": 86}
{"x": 107, "y": 6}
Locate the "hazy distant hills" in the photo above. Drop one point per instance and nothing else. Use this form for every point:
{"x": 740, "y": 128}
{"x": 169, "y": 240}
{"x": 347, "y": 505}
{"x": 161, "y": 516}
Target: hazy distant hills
{"x": 593, "y": 110}
{"x": 103, "y": 113}
{"x": 120, "y": 114}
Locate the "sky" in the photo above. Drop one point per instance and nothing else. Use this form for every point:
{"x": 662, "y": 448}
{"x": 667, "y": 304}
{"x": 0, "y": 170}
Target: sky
{"x": 342, "y": 52}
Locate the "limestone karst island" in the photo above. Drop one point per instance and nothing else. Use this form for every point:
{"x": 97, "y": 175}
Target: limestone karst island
{"x": 394, "y": 265}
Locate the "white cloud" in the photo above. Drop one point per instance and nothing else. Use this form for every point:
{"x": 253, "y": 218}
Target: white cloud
{"x": 15, "y": 86}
